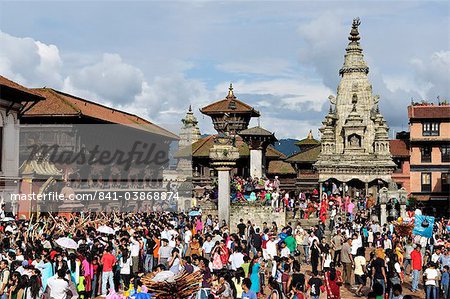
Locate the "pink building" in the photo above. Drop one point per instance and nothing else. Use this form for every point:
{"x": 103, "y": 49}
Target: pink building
{"x": 430, "y": 154}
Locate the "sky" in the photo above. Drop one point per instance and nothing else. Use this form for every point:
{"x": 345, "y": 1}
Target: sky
{"x": 154, "y": 59}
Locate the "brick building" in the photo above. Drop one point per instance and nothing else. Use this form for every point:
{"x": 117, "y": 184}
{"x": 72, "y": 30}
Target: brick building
{"x": 430, "y": 154}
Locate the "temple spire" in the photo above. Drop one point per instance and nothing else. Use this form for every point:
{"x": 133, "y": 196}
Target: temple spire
{"x": 354, "y": 61}
{"x": 310, "y": 135}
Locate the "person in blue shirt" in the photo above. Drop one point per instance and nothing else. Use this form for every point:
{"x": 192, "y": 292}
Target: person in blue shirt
{"x": 445, "y": 281}
{"x": 246, "y": 292}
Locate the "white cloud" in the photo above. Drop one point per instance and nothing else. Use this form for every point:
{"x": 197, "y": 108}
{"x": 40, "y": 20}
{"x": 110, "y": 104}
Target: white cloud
{"x": 110, "y": 79}
{"x": 324, "y": 43}
{"x": 30, "y": 62}
{"x": 165, "y": 100}
{"x": 433, "y": 74}
{"x": 289, "y": 93}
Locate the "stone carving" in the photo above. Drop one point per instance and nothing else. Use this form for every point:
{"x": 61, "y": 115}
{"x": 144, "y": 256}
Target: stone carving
{"x": 332, "y": 99}
{"x": 354, "y": 141}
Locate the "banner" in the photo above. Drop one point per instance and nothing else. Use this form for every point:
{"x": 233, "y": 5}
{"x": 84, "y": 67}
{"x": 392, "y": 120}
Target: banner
{"x": 423, "y": 226}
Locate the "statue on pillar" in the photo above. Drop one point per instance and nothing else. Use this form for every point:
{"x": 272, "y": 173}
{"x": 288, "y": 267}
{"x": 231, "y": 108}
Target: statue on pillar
{"x": 383, "y": 202}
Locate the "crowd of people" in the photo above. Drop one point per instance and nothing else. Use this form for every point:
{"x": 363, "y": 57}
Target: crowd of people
{"x": 304, "y": 205}
{"x": 273, "y": 261}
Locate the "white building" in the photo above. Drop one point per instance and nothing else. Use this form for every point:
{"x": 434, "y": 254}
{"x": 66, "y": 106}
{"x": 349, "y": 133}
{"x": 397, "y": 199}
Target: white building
{"x": 14, "y": 99}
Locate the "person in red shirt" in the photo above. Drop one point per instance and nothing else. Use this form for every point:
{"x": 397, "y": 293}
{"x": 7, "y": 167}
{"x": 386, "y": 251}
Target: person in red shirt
{"x": 108, "y": 261}
{"x": 416, "y": 258}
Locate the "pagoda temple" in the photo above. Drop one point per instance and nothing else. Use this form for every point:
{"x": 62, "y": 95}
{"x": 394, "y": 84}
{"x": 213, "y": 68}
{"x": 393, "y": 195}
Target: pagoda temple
{"x": 231, "y": 118}
{"x": 355, "y": 153}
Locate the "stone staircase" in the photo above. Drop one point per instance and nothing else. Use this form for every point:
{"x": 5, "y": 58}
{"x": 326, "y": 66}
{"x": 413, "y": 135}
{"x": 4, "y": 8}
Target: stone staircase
{"x": 308, "y": 223}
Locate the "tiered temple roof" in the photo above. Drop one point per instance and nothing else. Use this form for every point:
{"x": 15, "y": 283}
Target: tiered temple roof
{"x": 230, "y": 104}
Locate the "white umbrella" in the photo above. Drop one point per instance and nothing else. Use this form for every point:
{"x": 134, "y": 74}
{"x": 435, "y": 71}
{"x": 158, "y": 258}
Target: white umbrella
{"x": 67, "y": 243}
{"x": 106, "y": 230}
{"x": 6, "y": 219}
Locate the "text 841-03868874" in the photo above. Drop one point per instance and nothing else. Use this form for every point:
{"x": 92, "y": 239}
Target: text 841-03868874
{"x": 137, "y": 195}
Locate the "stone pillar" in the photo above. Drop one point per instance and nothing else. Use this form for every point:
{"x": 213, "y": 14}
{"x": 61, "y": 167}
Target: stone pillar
{"x": 383, "y": 214}
{"x": 344, "y": 185}
{"x": 320, "y": 190}
{"x": 256, "y": 159}
{"x": 224, "y": 194}
{"x": 366, "y": 185}
{"x": 223, "y": 158}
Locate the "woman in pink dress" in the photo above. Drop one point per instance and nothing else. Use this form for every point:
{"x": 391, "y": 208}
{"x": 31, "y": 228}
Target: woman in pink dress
{"x": 87, "y": 270}
{"x": 199, "y": 225}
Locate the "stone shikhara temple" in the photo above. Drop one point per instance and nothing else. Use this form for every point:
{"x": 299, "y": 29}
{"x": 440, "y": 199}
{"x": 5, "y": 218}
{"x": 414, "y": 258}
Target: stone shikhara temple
{"x": 354, "y": 142}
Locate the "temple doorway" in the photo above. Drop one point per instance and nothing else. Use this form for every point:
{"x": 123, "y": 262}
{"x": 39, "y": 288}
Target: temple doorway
{"x": 356, "y": 188}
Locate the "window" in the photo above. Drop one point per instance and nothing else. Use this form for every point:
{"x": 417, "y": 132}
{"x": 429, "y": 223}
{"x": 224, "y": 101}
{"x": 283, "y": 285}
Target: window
{"x": 426, "y": 182}
{"x": 445, "y": 153}
{"x": 425, "y": 154}
{"x": 430, "y": 129}
{"x": 445, "y": 182}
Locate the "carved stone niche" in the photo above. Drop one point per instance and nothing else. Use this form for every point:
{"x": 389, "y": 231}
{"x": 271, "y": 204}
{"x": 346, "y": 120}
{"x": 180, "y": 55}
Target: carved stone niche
{"x": 354, "y": 140}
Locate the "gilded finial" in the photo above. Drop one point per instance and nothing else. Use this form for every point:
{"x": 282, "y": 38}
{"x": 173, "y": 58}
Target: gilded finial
{"x": 190, "y": 108}
{"x": 354, "y": 33}
{"x": 230, "y": 90}
{"x": 310, "y": 135}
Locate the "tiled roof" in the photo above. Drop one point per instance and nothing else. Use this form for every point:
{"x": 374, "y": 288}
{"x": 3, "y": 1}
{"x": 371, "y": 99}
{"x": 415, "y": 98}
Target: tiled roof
{"x": 200, "y": 149}
{"x": 26, "y": 94}
{"x": 257, "y": 131}
{"x": 229, "y": 105}
{"x": 307, "y": 156}
{"x": 308, "y": 141}
{"x": 280, "y": 167}
{"x": 399, "y": 148}
{"x": 429, "y": 111}
{"x": 59, "y": 104}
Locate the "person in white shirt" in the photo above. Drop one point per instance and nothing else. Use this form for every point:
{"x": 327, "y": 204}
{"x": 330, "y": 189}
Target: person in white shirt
{"x": 59, "y": 286}
{"x": 172, "y": 237}
{"x": 135, "y": 249}
{"x": 236, "y": 260}
{"x": 271, "y": 248}
{"x": 436, "y": 255}
{"x": 387, "y": 243}
{"x": 187, "y": 237}
{"x": 174, "y": 261}
{"x": 19, "y": 255}
{"x": 285, "y": 251}
{"x": 311, "y": 238}
{"x": 431, "y": 280}
{"x": 208, "y": 246}
{"x": 125, "y": 264}
{"x": 356, "y": 243}
{"x": 274, "y": 201}
{"x": 165, "y": 234}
